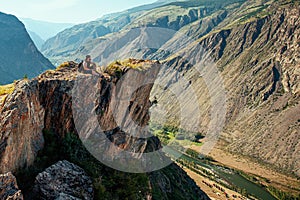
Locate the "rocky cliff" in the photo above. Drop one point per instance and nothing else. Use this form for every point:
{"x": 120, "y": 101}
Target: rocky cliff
{"x": 19, "y": 56}
{"x": 45, "y": 104}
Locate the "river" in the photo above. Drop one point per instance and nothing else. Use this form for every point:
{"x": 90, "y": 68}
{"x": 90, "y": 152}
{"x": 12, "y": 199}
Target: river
{"x": 231, "y": 177}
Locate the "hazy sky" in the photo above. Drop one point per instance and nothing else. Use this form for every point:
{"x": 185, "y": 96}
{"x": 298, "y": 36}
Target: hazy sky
{"x": 74, "y": 11}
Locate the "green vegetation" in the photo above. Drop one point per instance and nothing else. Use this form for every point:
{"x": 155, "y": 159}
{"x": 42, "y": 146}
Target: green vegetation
{"x": 5, "y": 90}
{"x": 205, "y": 3}
{"x": 170, "y": 134}
{"x": 274, "y": 191}
{"x": 118, "y": 67}
{"x": 178, "y": 188}
{"x": 63, "y": 65}
{"x": 282, "y": 195}
{"x": 108, "y": 183}
{"x": 257, "y": 12}
{"x": 193, "y": 163}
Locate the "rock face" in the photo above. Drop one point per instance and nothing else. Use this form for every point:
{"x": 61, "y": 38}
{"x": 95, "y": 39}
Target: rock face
{"x": 9, "y": 188}
{"x": 63, "y": 180}
{"x": 45, "y": 103}
{"x": 19, "y": 56}
{"x": 261, "y": 75}
{"x": 22, "y": 122}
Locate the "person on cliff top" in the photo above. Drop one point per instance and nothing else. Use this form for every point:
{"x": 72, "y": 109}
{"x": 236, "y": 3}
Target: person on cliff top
{"x": 89, "y": 67}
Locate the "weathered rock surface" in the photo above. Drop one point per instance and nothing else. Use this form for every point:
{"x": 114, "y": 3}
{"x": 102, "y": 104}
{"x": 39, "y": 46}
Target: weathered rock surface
{"x": 9, "y": 188}
{"x": 63, "y": 180}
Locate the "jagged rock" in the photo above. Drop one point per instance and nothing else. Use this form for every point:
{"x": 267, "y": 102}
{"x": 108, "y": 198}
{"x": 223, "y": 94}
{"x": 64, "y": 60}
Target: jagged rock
{"x": 9, "y": 188}
{"x": 64, "y": 180}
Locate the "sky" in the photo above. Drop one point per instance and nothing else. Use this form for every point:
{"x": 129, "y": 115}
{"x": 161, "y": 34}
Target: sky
{"x": 67, "y": 11}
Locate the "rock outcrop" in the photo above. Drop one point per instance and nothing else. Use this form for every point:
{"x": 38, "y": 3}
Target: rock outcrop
{"x": 9, "y": 188}
{"x": 63, "y": 180}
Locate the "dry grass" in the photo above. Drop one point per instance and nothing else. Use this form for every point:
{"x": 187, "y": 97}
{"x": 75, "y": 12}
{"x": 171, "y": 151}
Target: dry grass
{"x": 63, "y": 65}
{"x": 6, "y": 89}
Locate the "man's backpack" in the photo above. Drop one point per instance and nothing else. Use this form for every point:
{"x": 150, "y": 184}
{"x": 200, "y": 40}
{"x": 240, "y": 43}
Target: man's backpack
{"x": 80, "y": 66}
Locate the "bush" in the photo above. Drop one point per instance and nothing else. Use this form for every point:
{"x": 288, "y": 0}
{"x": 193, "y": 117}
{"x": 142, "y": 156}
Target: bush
{"x": 63, "y": 65}
{"x": 6, "y": 89}
{"x": 117, "y": 68}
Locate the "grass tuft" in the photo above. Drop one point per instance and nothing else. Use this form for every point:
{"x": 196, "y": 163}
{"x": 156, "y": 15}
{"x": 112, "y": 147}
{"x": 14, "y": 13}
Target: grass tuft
{"x": 6, "y": 89}
{"x": 117, "y": 68}
{"x": 63, "y": 65}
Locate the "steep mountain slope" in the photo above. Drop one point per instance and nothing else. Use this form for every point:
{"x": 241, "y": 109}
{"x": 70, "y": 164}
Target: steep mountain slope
{"x": 259, "y": 60}
{"x": 46, "y": 104}
{"x": 18, "y": 54}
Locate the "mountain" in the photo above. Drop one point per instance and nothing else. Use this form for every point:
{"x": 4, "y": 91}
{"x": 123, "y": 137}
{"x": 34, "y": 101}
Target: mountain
{"x": 19, "y": 56}
{"x": 68, "y": 41}
{"x": 44, "y": 29}
{"x": 38, "y": 41}
{"x": 238, "y": 59}
{"x": 48, "y": 126}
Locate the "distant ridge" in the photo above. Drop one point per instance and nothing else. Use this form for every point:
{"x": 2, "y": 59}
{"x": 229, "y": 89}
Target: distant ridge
{"x": 45, "y": 29}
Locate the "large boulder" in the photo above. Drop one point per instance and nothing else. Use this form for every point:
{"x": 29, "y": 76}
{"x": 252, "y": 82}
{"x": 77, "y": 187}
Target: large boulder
{"x": 63, "y": 180}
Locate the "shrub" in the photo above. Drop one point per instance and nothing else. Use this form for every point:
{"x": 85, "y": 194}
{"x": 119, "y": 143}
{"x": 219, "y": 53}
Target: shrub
{"x": 63, "y": 65}
{"x": 118, "y": 67}
{"x": 6, "y": 89}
